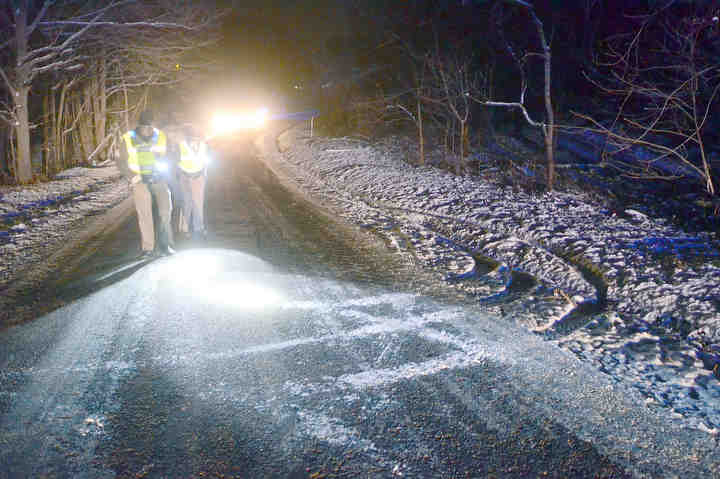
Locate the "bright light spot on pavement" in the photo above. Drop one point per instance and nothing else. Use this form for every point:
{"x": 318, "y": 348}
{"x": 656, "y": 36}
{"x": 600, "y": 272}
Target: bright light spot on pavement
{"x": 195, "y": 265}
{"x": 216, "y": 278}
{"x": 244, "y": 294}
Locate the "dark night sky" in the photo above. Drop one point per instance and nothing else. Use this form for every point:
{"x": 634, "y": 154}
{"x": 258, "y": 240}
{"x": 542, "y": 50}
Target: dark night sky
{"x": 268, "y": 44}
{"x": 266, "y": 47}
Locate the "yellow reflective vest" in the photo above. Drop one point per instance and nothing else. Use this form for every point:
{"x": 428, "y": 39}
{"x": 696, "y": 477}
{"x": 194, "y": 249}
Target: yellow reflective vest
{"x": 142, "y": 153}
{"x": 193, "y": 159}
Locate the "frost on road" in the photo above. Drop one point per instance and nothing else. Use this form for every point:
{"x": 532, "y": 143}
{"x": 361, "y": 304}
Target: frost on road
{"x": 256, "y": 371}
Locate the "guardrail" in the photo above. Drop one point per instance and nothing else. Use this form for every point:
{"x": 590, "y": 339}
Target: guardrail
{"x": 300, "y": 115}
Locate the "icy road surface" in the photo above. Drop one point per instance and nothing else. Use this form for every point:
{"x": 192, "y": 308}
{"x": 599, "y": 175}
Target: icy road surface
{"x": 213, "y": 361}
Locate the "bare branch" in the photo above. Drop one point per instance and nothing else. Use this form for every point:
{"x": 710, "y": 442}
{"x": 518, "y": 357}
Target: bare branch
{"x": 673, "y": 83}
{"x": 9, "y": 85}
{"x": 517, "y": 105}
{"x": 43, "y": 10}
{"x": 121, "y": 24}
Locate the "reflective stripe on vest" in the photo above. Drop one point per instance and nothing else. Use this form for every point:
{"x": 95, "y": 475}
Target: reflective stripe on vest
{"x": 142, "y": 154}
{"x": 193, "y": 160}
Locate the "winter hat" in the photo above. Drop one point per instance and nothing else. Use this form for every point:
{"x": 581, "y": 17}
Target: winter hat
{"x": 146, "y": 118}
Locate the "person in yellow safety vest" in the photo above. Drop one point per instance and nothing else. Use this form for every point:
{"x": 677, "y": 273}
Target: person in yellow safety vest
{"x": 143, "y": 160}
{"x": 194, "y": 160}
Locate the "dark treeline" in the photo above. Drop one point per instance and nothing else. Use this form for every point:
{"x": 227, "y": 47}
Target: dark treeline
{"x": 638, "y": 77}
{"x": 72, "y": 73}
{"x": 636, "y": 80}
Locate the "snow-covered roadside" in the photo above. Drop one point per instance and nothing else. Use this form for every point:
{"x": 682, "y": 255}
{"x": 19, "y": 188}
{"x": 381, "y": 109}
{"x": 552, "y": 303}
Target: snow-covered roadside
{"x": 36, "y": 221}
{"x": 660, "y": 330}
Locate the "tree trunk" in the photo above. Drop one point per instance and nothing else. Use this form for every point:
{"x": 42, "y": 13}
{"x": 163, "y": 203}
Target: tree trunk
{"x": 421, "y": 136}
{"x": 126, "y": 110}
{"x": 101, "y": 114}
{"x": 463, "y": 150}
{"x": 86, "y": 131}
{"x": 5, "y": 156}
{"x": 447, "y": 139}
{"x": 72, "y": 131}
{"x": 549, "y": 127}
{"x": 51, "y": 132}
{"x": 99, "y": 109}
{"x": 60, "y": 127}
{"x": 47, "y": 132}
{"x": 23, "y": 168}
{"x": 13, "y": 150}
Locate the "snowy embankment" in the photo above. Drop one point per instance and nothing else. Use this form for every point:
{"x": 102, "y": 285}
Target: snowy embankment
{"x": 36, "y": 221}
{"x": 632, "y": 294}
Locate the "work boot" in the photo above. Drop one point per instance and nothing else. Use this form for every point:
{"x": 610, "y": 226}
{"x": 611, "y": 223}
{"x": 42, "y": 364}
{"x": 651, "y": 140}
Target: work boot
{"x": 199, "y": 236}
{"x": 162, "y": 251}
{"x": 145, "y": 255}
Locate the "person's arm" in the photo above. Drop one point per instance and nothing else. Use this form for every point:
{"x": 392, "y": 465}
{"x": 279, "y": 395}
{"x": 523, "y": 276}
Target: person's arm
{"x": 173, "y": 153}
{"x": 208, "y": 157}
{"x": 122, "y": 161}
{"x": 169, "y": 156}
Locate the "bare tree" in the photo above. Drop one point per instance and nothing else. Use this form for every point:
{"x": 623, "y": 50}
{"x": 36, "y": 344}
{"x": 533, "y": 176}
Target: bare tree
{"x": 521, "y": 59}
{"x": 24, "y": 18}
{"x": 410, "y": 99}
{"x": 418, "y": 117}
{"x": 45, "y": 36}
{"x": 454, "y": 80}
{"x": 665, "y": 76}
{"x": 589, "y": 29}
{"x": 138, "y": 60}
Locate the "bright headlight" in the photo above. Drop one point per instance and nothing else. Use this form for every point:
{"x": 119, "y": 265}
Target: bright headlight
{"x": 161, "y": 166}
{"x": 223, "y": 123}
{"x": 260, "y": 117}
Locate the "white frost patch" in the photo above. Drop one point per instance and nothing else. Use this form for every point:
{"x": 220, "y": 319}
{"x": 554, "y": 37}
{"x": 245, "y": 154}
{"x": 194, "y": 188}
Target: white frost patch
{"x": 380, "y": 377}
{"x": 331, "y": 430}
{"x": 93, "y": 424}
{"x": 380, "y": 326}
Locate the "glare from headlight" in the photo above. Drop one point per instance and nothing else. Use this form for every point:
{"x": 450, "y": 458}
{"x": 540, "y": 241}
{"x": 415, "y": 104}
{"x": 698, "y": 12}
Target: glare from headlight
{"x": 260, "y": 117}
{"x": 161, "y": 166}
{"x": 223, "y": 123}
